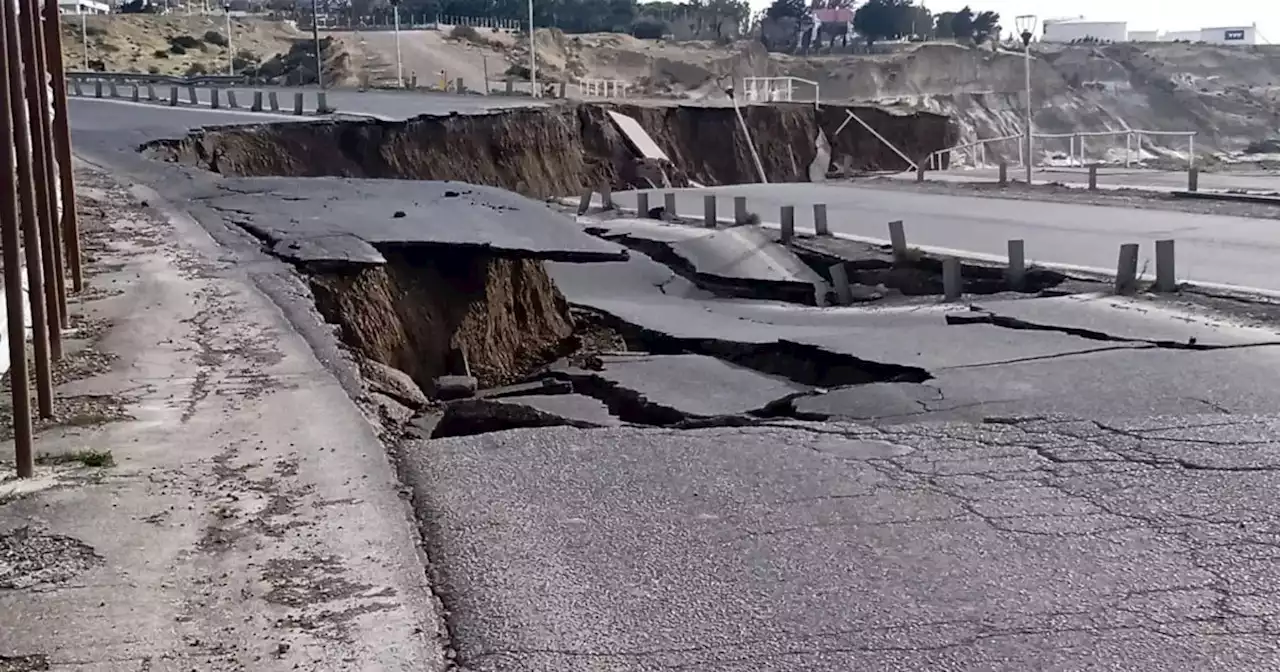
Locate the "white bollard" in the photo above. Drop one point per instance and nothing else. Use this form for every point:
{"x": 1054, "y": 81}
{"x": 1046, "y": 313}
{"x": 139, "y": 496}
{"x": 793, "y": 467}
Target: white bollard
{"x": 111, "y": 86}
{"x": 1127, "y": 269}
{"x": 97, "y": 89}
{"x": 840, "y": 282}
{"x": 709, "y": 211}
{"x": 739, "y": 210}
{"x": 76, "y": 87}
{"x": 898, "y": 239}
{"x": 788, "y": 223}
{"x": 136, "y": 94}
{"x": 669, "y": 204}
{"x": 952, "y": 280}
{"x": 820, "y": 226}
{"x": 151, "y": 92}
{"x": 1017, "y": 271}
{"x": 231, "y": 100}
{"x": 1165, "y": 278}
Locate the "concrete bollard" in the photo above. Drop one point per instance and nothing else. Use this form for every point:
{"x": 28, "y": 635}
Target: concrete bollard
{"x": 231, "y": 100}
{"x": 606, "y": 196}
{"x": 788, "y": 223}
{"x": 1004, "y": 173}
{"x": 459, "y": 86}
{"x": 1127, "y": 269}
{"x": 274, "y": 101}
{"x": 840, "y": 282}
{"x": 136, "y": 94}
{"x": 413, "y": 81}
{"x": 1016, "y": 274}
{"x": 669, "y": 204}
{"x": 920, "y": 172}
{"x": 584, "y": 203}
{"x": 173, "y": 96}
{"x": 739, "y": 210}
{"x": 642, "y": 205}
{"x": 297, "y": 103}
{"x": 898, "y": 239}
{"x": 1165, "y": 279}
{"x": 256, "y": 106}
{"x": 820, "y": 220}
{"x": 97, "y": 89}
{"x": 322, "y": 103}
{"x": 113, "y": 89}
{"x": 952, "y": 279}
{"x": 1193, "y": 179}
{"x": 215, "y": 99}
{"x": 192, "y": 96}
{"x": 709, "y": 211}
{"x": 76, "y": 88}
{"x": 151, "y": 92}
{"x": 1093, "y": 177}
{"x": 511, "y": 87}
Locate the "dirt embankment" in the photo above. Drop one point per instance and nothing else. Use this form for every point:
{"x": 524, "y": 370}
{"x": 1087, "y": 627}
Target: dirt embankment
{"x": 500, "y": 317}
{"x": 559, "y": 151}
{"x": 171, "y": 44}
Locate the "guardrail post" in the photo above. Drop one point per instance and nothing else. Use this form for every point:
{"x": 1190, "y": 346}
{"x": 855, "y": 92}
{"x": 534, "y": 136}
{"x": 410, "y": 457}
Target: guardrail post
{"x": 511, "y": 87}
{"x": 1165, "y": 279}
{"x": 584, "y": 203}
{"x": 1004, "y": 173}
{"x": 322, "y": 103}
{"x": 256, "y": 106}
{"x": 642, "y": 205}
{"x": 112, "y": 89}
{"x": 75, "y": 86}
{"x": 151, "y": 92}
{"x": 952, "y": 279}
{"x": 97, "y": 88}
{"x": 562, "y": 90}
{"x": 739, "y": 210}
{"x": 1127, "y": 269}
{"x": 840, "y": 282}
{"x": 709, "y": 211}
{"x": 669, "y": 204}
{"x": 1017, "y": 271}
{"x": 214, "y": 102}
{"x": 173, "y": 96}
{"x": 920, "y": 168}
{"x": 788, "y": 223}
{"x": 192, "y": 96}
{"x": 606, "y": 196}
{"x": 274, "y": 101}
{"x": 820, "y": 226}
{"x": 297, "y": 103}
{"x": 231, "y": 99}
{"x": 459, "y": 86}
{"x": 1093, "y": 177}
{"x": 898, "y": 239}
{"x": 136, "y": 94}
{"x": 1193, "y": 179}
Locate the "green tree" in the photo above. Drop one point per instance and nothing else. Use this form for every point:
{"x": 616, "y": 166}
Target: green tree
{"x": 942, "y": 25}
{"x": 883, "y": 19}
{"x": 786, "y": 9}
{"x": 986, "y": 26}
{"x": 962, "y": 24}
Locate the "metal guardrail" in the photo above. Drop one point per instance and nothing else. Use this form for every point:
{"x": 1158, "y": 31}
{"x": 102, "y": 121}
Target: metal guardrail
{"x": 143, "y": 77}
{"x": 220, "y": 95}
{"x": 1076, "y": 140}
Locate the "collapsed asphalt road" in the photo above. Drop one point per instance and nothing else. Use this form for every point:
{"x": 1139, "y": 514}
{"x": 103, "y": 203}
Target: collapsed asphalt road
{"x": 1024, "y": 483}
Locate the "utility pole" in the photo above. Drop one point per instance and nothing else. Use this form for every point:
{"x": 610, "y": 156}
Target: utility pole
{"x": 315, "y": 35}
{"x": 231, "y": 52}
{"x": 533, "y": 57}
{"x": 1026, "y": 27}
{"x": 84, "y": 37}
{"x": 395, "y": 11}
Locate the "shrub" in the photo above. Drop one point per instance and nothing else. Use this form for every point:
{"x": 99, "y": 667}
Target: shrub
{"x": 649, "y": 28}
{"x": 161, "y": 53}
{"x": 464, "y": 33}
{"x": 155, "y": 69}
{"x": 185, "y": 41}
{"x": 94, "y": 31}
{"x": 177, "y": 49}
{"x": 215, "y": 38}
{"x": 196, "y": 68}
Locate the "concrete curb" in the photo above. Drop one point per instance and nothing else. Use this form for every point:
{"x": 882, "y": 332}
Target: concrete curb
{"x": 1228, "y": 197}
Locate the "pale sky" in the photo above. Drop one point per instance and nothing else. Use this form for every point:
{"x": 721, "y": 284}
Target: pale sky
{"x": 1140, "y": 14}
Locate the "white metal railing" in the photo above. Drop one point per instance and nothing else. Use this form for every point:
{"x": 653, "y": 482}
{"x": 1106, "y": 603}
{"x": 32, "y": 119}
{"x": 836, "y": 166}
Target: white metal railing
{"x": 777, "y": 89}
{"x": 1076, "y": 146}
{"x": 602, "y": 88}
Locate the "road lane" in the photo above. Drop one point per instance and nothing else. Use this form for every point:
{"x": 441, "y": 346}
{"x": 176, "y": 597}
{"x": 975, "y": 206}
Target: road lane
{"x": 1215, "y": 249}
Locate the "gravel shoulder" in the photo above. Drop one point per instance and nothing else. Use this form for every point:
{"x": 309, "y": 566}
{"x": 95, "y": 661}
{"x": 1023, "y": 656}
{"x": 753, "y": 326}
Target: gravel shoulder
{"x": 233, "y": 510}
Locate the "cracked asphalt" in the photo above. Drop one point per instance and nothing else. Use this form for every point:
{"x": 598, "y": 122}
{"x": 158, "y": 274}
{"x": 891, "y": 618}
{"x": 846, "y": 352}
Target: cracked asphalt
{"x": 1051, "y": 484}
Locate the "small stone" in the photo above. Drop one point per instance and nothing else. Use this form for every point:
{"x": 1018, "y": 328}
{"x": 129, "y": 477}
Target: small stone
{"x": 398, "y": 214}
{"x": 282, "y": 648}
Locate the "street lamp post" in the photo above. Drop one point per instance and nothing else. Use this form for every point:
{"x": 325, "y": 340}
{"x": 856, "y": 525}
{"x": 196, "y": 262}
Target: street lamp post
{"x": 84, "y": 36}
{"x": 533, "y": 57}
{"x": 395, "y": 12}
{"x": 231, "y": 52}
{"x": 315, "y": 36}
{"x": 1026, "y": 28}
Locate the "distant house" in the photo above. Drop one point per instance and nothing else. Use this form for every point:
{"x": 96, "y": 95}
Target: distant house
{"x": 83, "y": 7}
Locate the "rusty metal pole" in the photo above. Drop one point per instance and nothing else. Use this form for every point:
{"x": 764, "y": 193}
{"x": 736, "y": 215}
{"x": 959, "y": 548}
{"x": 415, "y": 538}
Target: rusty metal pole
{"x": 18, "y": 383}
{"x": 34, "y": 147}
{"x": 62, "y": 143}
{"x": 42, "y": 135}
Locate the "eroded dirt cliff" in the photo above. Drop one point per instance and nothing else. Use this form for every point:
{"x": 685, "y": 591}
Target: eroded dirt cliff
{"x": 558, "y": 151}
{"x": 505, "y": 316}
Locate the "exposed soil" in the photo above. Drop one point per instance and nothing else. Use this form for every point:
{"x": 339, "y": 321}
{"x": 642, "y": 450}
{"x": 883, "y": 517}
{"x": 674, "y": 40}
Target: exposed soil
{"x": 432, "y": 312}
{"x": 552, "y": 152}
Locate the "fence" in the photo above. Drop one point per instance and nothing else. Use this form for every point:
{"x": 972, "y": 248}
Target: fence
{"x": 780, "y": 90}
{"x": 1076, "y": 146}
{"x": 602, "y": 88}
{"x": 39, "y": 232}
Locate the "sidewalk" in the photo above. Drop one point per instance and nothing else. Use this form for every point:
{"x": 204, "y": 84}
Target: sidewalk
{"x": 209, "y": 498}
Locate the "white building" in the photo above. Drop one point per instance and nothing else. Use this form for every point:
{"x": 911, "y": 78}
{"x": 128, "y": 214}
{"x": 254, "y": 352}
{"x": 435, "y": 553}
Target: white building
{"x": 1144, "y": 36}
{"x": 1230, "y": 35}
{"x": 83, "y": 7}
{"x": 1073, "y": 30}
{"x": 1181, "y": 36}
